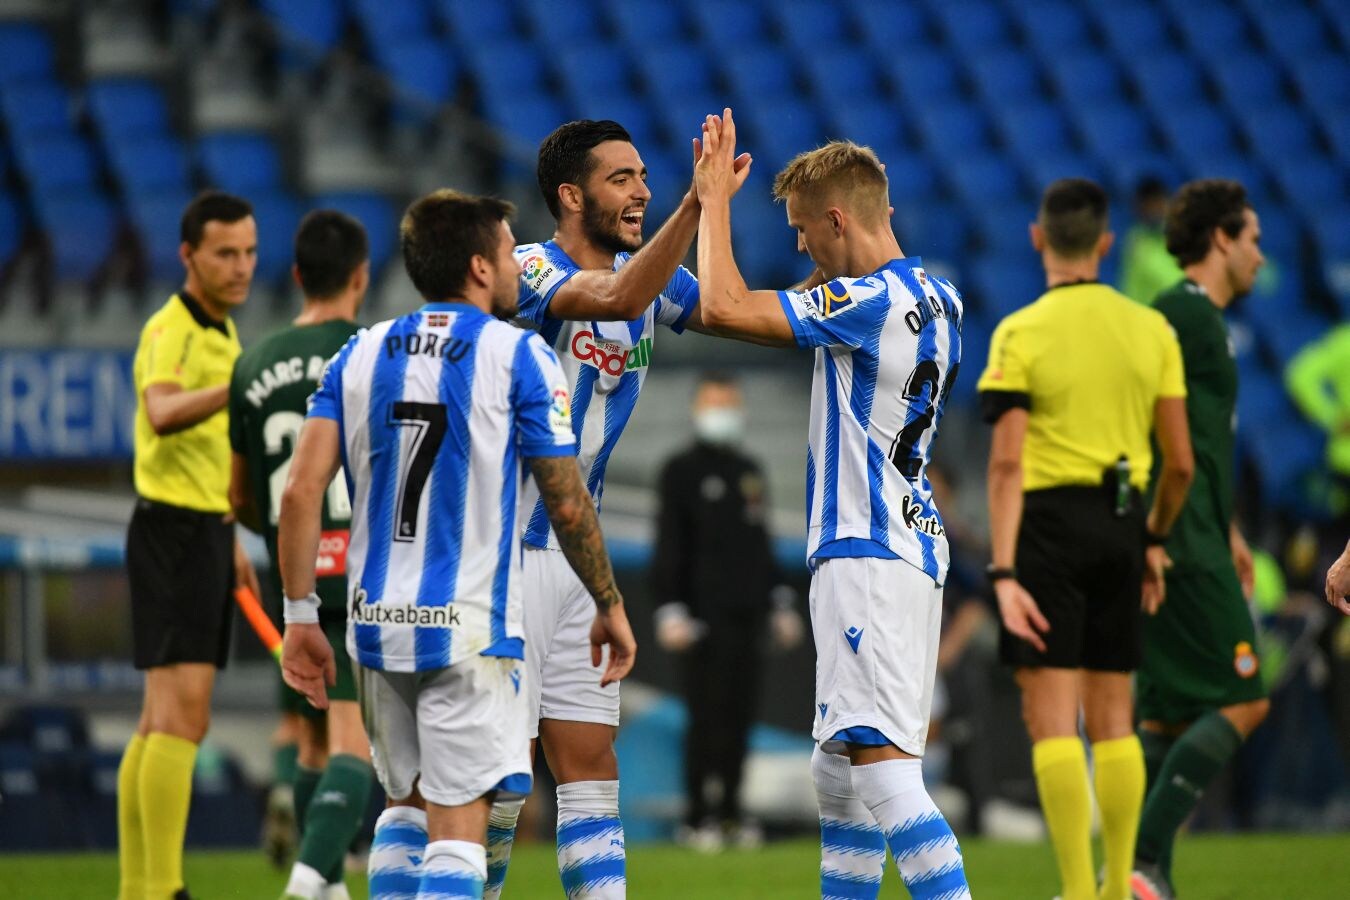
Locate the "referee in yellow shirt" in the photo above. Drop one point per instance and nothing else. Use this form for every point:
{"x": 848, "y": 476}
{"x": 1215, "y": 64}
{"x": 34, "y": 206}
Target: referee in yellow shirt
{"x": 182, "y": 556}
{"x": 1075, "y": 383}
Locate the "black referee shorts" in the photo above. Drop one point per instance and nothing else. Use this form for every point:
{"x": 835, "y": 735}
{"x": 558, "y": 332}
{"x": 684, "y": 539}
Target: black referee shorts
{"x": 181, "y": 566}
{"x": 1084, "y": 567}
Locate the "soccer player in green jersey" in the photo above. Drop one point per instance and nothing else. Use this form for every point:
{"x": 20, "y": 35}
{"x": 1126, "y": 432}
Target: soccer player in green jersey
{"x": 1198, "y": 692}
{"x": 268, "y": 395}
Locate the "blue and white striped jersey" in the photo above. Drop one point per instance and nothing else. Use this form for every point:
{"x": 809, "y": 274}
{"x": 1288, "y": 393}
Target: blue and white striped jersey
{"x": 605, "y": 362}
{"x": 437, "y": 411}
{"x": 888, "y": 346}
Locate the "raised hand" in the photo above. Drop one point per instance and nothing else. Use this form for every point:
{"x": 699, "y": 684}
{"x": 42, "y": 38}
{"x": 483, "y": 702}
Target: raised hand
{"x": 715, "y": 175}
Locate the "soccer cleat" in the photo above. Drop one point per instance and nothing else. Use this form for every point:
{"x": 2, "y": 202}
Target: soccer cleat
{"x": 279, "y": 837}
{"x": 1147, "y": 882}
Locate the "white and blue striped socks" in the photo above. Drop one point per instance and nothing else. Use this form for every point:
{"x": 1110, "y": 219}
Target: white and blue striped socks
{"x": 919, "y": 837}
{"x": 590, "y": 841}
{"x": 852, "y": 847}
{"x": 396, "y": 853}
{"x": 501, "y": 835}
{"x": 453, "y": 870}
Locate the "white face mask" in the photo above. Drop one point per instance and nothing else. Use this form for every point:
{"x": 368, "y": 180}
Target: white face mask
{"x": 720, "y": 424}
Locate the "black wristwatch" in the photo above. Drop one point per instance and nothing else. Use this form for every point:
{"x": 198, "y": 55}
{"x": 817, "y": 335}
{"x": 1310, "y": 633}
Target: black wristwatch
{"x": 995, "y": 574}
{"x": 1154, "y": 540}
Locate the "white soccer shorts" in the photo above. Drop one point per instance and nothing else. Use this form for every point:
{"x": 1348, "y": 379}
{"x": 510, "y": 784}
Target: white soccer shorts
{"x": 561, "y": 684}
{"x": 876, "y": 624}
{"x": 462, "y": 729}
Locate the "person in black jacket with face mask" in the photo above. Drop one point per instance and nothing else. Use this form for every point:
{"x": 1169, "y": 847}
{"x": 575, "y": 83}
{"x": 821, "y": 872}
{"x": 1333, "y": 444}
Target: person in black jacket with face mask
{"x": 717, "y": 588}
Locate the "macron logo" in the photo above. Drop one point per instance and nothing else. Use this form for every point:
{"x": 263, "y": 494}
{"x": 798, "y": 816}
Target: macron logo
{"x": 823, "y": 708}
{"x": 515, "y": 680}
{"x": 854, "y": 637}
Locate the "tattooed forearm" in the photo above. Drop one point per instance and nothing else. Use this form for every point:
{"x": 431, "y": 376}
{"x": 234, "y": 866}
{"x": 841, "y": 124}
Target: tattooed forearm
{"x": 574, "y": 521}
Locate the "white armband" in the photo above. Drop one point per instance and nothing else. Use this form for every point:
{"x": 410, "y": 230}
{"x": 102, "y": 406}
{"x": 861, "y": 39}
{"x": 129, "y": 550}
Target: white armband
{"x": 301, "y": 612}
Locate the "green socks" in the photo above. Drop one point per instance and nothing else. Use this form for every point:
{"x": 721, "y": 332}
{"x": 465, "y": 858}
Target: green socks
{"x": 334, "y": 814}
{"x": 1193, "y": 761}
{"x": 305, "y": 782}
{"x": 285, "y": 759}
{"x": 1156, "y": 747}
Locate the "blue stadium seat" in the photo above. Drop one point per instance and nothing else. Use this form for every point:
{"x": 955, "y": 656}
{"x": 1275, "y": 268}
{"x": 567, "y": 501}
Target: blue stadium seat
{"x": 933, "y": 230}
{"x": 1339, "y": 16}
{"x": 376, "y": 213}
{"x": 473, "y": 22}
{"x": 1336, "y": 126}
{"x": 128, "y": 106}
{"x": 422, "y": 69}
{"x": 504, "y": 68}
{"x": 783, "y": 127}
{"x": 527, "y": 117}
{"x": 1331, "y": 233}
{"x": 682, "y": 117}
{"x": 1212, "y": 29}
{"x": 869, "y": 17}
{"x": 673, "y": 70}
{"x": 81, "y": 227}
{"x": 1277, "y": 132}
{"x": 668, "y": 177}
{"x": 156, "y": 217}
{"x": 149, "y": 163}
{"x": 1298, "y": 327}
{"x": 980, "y": 178}
{"x": 910, "y": 176}
{"x": 12, "y": 225}
{"x": 1311, "y": 183}
{"x": 925, "y": 74}
{"x": 239, "y": 162}
{"x": 561, "y": 24}
{"x": 317, "y": 22}
{"x": 1034, "y": 128}
{"x": 25, "y": 52}
{"x": 1123, "y": 170}
{"x": 1005, "y": 76}
{"x": 808, "y": 26}
{"x": 278, "y": 216}
{"x": 1196, "y": 135}
{"x": 1281, "y": 233}
{"x": 647, "y": 25}
{"x": 766, "y": 248}
{"x": 1042, "y": 170}
{"x": 1247, "y": 79}
{"x": 586, "y": 68}
{"x": 630, "y": 111}
{"x": 35, "y": 107}
{"x": 1245, "y": 170}
{"x": 1002, "y": 284}
{"x": 1262, "y": 398}
{"x": 729, "y": 23}
{"x": 973, "y": 26}
{"x": 759, "y": 71}
{"x": 1113, "y": 130}
{"x": 870, "y": 122}
{"x": 976, "y": 330}
{"x": 1132, "y": 28}
{"x": 54, "y": 162}
{"x": 1292, "y": 30}
{"x": 1168, "y": 80}
{"x": 1002, "y": 228}
{"x": 836, "y": 78}
{"x": 1086, "y": 78}
{"x": 953, "y": 126}
{"x": 1323, "y": 81}
{"x": 1052, "y": 26}
{"x": 385, "y": 20}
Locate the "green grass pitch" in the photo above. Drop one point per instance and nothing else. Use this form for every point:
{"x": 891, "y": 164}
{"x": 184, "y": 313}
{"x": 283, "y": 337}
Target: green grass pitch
{"x": 1268, "y": 867}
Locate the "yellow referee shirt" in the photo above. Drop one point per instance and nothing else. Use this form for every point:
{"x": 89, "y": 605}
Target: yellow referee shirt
{"x": 1089, "y": 365}
{"x": 182, "y": 345}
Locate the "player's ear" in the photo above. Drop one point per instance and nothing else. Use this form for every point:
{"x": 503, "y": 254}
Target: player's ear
{"x": 185, "y": 253}
{"x": 295, "y": 276}
{"x": 1037, "y": 237}
{"x": 569, "y": 197}
{"x": 1104, "y": 243}
{"x": 360, "y": 279}
{"x": 836, "y": 217}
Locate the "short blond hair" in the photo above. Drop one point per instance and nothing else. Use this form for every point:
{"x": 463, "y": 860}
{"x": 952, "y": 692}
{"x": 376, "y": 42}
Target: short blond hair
{"x": 840, "y": 172}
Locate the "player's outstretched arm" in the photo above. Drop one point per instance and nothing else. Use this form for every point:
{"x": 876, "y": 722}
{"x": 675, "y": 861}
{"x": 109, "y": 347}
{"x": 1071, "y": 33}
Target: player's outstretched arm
{"x": 171, "y": 409}
{"x": 726, "y": 306}
{"x": 578, "y": 529}
{"x": 307, "y": 662}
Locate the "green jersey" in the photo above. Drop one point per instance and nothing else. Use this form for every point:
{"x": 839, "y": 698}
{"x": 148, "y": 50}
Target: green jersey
{"x": 269, "y": 391}
{"x": 1199, "y": 539}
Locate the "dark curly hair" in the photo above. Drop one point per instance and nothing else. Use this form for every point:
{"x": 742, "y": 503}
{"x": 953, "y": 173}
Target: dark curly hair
{"x": 565, "y": 155}
{"x": 1199, "y": 208}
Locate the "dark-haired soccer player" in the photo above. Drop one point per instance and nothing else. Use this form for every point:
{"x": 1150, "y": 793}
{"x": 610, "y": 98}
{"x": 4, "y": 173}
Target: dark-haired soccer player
{"x": 1076, "y": 382}
{"x": 1199, "y": 693}
{"x": 182, "y": 556}
{"x": 272, "y": 383}
{"x": 598, "y": 305}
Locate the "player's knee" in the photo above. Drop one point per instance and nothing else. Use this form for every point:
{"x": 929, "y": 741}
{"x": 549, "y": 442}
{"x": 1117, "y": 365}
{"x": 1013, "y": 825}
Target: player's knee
{"x": 588, "y": 760}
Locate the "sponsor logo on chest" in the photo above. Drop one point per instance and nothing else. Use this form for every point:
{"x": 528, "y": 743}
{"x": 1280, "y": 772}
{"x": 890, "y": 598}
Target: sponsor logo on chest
{"x": 610, "y": 357}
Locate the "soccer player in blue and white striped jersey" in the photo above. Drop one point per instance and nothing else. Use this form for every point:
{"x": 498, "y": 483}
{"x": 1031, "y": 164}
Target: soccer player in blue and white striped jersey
{"x": 887, "y": 337}
{"x": 433, "y": 416}
{"x": 597, "y": 304}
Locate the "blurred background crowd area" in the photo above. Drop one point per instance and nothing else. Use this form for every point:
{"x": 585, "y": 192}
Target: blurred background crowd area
{"x": 113, "y": 113}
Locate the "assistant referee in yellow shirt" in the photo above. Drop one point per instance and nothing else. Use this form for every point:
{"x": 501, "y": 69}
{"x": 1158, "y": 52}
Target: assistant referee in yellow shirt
{"x": 1075, "y": 383}
{"x": 182, "y": 556}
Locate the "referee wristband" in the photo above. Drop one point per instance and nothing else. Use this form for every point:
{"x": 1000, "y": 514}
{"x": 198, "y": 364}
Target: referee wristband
{"x": 1154, "y": 540}
{"x": 996, "y": 574}
{"x": 301, "y": 612}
